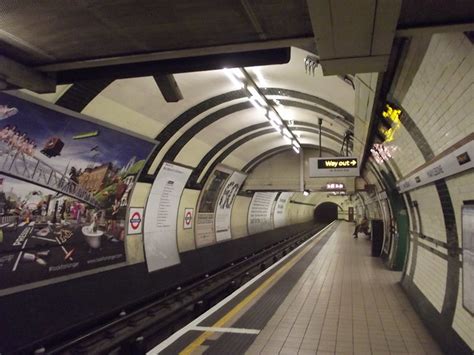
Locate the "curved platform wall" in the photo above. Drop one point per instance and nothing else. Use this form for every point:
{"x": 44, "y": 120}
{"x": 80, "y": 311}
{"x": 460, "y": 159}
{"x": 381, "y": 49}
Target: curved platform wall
{"x": 435, "y": 93}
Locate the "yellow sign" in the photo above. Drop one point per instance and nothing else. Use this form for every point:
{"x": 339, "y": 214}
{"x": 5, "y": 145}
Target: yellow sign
{"x": 392, "y": 115}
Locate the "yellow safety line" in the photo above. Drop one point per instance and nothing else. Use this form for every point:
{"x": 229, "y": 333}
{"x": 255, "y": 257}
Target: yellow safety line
{"x": 234, "y": 311}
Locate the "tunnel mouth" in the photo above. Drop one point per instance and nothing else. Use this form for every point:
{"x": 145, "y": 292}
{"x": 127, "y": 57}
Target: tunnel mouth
{"x": 326, "y": 212}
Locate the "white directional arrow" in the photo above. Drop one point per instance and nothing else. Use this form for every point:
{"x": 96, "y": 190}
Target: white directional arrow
{"x": 353, "y": 162}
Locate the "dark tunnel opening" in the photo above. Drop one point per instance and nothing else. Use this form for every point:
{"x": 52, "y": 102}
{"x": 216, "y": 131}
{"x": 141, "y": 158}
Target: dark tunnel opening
{"x": 326, "y": 212}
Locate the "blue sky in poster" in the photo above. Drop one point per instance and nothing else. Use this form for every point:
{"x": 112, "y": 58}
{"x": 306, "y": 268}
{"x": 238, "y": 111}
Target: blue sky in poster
{"x": 41, "y": 123}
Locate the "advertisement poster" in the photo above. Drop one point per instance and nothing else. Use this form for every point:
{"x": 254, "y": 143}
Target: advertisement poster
{"x": 161, "y": 248}
{"x": 204, "y": 228}
{"x": 225, "y": 203}
{"x": 64, "y": 189}
{"x": 280, "y": 209}
{"x": 260, "y": 212}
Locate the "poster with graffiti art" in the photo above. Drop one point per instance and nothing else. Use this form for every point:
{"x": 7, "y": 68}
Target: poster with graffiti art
{"x": 205, "y": 233}
{"x": 64, "y": 190}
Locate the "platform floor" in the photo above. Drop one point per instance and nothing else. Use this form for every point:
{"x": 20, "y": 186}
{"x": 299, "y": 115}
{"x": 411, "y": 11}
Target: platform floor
{"x": 329, "y": 297}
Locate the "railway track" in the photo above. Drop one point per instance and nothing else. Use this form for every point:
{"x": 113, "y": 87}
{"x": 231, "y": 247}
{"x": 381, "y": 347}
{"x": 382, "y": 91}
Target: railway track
{"x": 140, "y": 326}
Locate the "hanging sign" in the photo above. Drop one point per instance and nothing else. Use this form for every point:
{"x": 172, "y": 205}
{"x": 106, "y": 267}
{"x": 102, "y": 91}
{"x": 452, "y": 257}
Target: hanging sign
{"x": 329, "y": 167}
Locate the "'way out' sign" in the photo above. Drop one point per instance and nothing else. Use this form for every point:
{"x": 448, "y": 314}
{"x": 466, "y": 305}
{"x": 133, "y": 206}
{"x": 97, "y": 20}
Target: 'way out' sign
{"x": 324, "y": 167}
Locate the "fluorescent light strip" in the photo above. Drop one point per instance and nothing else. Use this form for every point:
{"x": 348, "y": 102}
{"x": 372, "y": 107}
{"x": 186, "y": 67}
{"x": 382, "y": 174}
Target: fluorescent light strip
{"x": 255, "y": 104}
{"x": 274, "y": 125}
{"x": 260, "y": 77}
{"x": 231, "y": 75}
{"x": 256, "y": 95}
{"x": 296, "y": 149}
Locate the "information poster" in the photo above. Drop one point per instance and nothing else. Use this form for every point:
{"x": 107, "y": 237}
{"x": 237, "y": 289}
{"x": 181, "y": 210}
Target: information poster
{"x": 161, "y": 248}
{"x": 260, "y": 212}
{"x": 204, "y": 228}
{"x": 225, "y": 203}
{"x": 64, "y": 191}
{"x": 279, "y": 213}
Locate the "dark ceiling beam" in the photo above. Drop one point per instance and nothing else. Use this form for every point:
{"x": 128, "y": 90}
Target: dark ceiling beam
{"x": 79, "y": 95}
{"x": 429, "y": 30}
{"x": 179, "y": 65}
{"x": 169, "y": 87}
{"x": 13, "y": 75}
{"x": 231, "y": 48}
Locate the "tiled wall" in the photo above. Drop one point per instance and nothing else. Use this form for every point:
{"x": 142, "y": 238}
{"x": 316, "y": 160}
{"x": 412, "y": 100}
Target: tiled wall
{"x": 438, "y": 105}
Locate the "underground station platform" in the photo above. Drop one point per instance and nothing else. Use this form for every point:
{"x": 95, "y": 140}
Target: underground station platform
{"x": 236, "y": 177}
{"x": 327, "y": 296}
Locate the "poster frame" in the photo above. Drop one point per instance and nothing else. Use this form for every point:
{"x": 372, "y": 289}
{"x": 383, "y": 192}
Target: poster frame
{"x": 177, "y": 212}
{"x": 81, "y": 116}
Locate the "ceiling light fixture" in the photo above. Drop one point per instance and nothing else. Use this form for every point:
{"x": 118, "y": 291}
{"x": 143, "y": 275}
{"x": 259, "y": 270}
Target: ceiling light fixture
{"x": 260, "y": 102}
{"x": 255, "y": 104}
{"x": 233, "y": 78}
{"x": 260, "y": 78}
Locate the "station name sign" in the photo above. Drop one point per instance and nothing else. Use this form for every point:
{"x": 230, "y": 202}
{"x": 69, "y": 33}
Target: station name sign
{"x": 449, "y": 164}
{"x": 337, "y": 163}
{"x": 333, "y": 167}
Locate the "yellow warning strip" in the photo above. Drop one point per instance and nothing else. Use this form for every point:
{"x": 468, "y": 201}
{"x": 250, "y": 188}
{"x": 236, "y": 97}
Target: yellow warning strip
{"x": 234, "y": 311}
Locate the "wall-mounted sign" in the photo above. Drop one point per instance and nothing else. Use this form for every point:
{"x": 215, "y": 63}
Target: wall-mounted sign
{"x": 204, "y": 231}
{"x": 225, "y": 203}
{"x": 260, "y": 212}
{"x": 453, "y": 163}
{"x": 135, "y": 220}
{"x": 65, "y": 183}
{"x": 161, "y": 249}
{"x": 188, "y": 218}
{"x": 334, "y": 186}
{"x": 279, "y": 212}
{"x": 329, "y": 167}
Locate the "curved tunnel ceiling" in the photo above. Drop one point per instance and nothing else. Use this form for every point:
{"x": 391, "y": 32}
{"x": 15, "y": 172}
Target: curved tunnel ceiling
{"x": 215, "y": 121}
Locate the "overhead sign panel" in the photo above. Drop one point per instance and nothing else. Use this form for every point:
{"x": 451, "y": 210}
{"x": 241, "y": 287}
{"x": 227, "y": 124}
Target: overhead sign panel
{"x": 329, "y": 167}
{"x": 455, "y": 162}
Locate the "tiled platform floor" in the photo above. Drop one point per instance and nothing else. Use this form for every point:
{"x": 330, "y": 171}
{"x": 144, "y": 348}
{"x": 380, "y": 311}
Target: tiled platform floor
{"x": 346, "y": 302}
